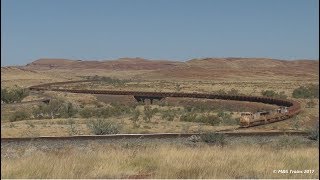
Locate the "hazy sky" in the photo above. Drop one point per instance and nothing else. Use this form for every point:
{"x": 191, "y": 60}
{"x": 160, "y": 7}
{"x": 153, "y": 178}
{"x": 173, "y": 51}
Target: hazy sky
{"x": 158, "y": 29}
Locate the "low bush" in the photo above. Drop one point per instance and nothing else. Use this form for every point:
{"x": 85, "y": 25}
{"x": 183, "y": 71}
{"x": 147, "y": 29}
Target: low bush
{"x": 213, "y": 138}
{"x": 309, "y": 91}
{"x": 108, "y": 80}
{"x": 314, "y": 133}
{"x": 227, "y": 119}
{"x": 168, "y": 115}
{"x": 102, "y": 127}
{"x": 208, "y": 119}
{"x": 87, "y": 112}
{"x": 288, "y": 142}
{"x": 19, "y": 115}
{"x": 273, "y": 94}
{"x": 188, "y": 117}
{"x": 56, "y": 108}
{"x": 105, "y": 112}
{"x": 13, "y": 95}
{"x": 149, "y": 113}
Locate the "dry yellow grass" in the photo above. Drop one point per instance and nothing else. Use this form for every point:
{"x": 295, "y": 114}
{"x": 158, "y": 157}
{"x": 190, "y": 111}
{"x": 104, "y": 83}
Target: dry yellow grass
{"x": 62, "y": 127}
{"x": 246, "y": 85}
{"x": 164, "y": 161}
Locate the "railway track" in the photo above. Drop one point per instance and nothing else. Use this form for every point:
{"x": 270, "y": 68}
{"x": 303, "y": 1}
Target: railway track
{"x": 148, "y": 136}
{"x": 293, "y": 106}
{"x": 293, "y": 109}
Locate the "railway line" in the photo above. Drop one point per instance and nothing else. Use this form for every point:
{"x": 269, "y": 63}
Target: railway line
{"x": 148, "y": 136}
{"x": 293, "y": 109}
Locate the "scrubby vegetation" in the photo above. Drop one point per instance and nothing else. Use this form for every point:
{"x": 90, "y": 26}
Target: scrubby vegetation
{"x": 149, "y": 113}
{"x": 214, "y": 120}
{"x": 19, "y": 115}
{"x": 135, "y": 118}
{"x": 13, "y": 95}
{"x": 162, "y": 161}
{"x": 168, "y": 115}
{"x": 104, "y": 112}
{"x": 102, "y": 127}
{"x": 213, "y": 138}
{"x": 311, "y": 104}
{"x": 55, "y": 109}
{"x": 273, "y": 94}
{"x": 230, "y": 92}
{"x": 314, "y": 132}
{"x": 309, "y": 91}
{"x": 107, "y": 80}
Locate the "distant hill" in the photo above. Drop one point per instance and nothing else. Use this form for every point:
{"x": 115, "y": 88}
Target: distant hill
{"x": 120, "y": 64}
{"x": 206, "y": 68}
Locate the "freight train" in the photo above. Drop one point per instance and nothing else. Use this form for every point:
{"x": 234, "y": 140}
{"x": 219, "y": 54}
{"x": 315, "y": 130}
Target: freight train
{"x": 288, "y": 108}
{"x": 249, "y": 119}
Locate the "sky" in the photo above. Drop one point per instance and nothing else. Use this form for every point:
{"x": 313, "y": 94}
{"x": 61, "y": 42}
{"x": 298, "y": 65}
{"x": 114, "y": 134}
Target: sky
{"x": 158, "y": 29}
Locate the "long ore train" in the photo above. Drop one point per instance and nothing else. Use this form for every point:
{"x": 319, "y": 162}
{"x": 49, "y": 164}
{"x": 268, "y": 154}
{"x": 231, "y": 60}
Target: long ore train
{"x": 287, "y": 108}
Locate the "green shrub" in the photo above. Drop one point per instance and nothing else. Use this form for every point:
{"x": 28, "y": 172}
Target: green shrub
{"x": 188, "y": 117}
{"x": 168, "y": 115}
{"x": 208, "y": 119}
{"x": 102, "y": 127}
{"x": 13, "y": 95}
{"x": 149, "y": 113}
{"x": 87, "y": 112}
{"x": 268, "y": 93}
{"x": 68, "y": 110}
{"x": 106, "y": 112}
{"x": 19, "y": 115}
{"x": 227, "y": 119}
{"x": 108, "y": 80}
{"x": 287, "y": 142}
{"x": 198, "y": 107}
{"x": 273, "y": 94}
{"x": 213, "y": 138}
{"x": 55, "y": 109}
{"x": 310, "y": 91}
{"x": 314, "y": 133}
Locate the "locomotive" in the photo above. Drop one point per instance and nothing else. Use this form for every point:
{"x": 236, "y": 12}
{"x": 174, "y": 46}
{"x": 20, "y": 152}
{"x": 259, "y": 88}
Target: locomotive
{"x": 248, "y": 119}
{"x": 288, "y": 108}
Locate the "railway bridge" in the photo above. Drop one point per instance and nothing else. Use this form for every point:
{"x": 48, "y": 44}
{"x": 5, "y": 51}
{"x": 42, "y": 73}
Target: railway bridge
{"x": 293, "y": 106}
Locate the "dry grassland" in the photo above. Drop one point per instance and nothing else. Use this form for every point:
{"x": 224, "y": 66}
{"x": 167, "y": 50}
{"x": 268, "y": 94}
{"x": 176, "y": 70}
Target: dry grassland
{"x": 164, "y": 161}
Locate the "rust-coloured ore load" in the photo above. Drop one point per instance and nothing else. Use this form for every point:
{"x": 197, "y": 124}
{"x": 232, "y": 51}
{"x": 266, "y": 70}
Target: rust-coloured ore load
{"x": 288, "y": 108}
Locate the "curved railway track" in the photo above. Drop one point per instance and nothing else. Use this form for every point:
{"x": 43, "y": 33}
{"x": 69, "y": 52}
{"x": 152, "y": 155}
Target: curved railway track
{"x": 293, "y": 109}
{"x": 293, "y": 106}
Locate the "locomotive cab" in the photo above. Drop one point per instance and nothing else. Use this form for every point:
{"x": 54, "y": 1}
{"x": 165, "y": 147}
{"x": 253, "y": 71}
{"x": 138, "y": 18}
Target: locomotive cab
{"x": 246, "y": 118}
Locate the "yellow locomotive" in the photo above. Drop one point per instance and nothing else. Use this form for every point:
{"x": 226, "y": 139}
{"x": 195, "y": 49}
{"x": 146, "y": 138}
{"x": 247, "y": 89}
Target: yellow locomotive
{"x": 248, "y": 119}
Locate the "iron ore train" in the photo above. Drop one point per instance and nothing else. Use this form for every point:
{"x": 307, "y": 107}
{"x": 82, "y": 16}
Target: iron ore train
{"x": 288, "y": 108}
